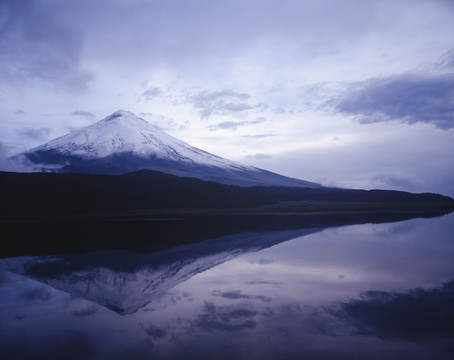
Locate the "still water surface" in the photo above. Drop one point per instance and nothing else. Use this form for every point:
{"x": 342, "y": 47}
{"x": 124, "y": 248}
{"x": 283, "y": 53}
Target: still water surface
{"x": 368, "y": 291}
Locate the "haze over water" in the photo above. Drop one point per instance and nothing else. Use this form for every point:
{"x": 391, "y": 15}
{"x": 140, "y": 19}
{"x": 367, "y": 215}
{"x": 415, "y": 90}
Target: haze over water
{"x": 367, "y": 291}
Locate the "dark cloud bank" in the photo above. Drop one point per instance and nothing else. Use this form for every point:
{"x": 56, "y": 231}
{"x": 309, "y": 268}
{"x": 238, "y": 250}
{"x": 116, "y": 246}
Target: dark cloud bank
{"x": 410, "y": 98}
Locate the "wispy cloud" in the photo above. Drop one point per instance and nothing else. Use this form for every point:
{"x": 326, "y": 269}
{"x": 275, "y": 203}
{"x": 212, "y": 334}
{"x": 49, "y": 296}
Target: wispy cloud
{"x": 223, "y": 102}
{"x": 233, "y": 125}
{"x": 446, "y": 60}
{"x": 41, "y": 134}
{"x": 152, "y": 92}
{"x": 258, "y": 156}
{"x": 396, "y": 179}
{"x": 258, "y": 136}
{"x": 82, "y": 113}
{"x": 8, "y": 149}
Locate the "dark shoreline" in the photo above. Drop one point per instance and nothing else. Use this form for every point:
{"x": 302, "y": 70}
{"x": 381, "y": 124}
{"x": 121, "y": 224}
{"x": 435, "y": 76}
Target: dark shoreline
{"x": 149, "y": 192}
{"x": 150, "y": 232}
{"x": 49, "y": 213}
{"x": 296, "y": 208}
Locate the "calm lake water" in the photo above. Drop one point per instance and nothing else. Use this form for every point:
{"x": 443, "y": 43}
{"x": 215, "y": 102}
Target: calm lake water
{"x": 369, "y": 291}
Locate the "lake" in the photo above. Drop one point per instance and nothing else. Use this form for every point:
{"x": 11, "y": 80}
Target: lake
{"x": 370, "y": 290}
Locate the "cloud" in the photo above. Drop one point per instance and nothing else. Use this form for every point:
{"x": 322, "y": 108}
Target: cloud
{"x": 233, "y": 125}
{"x": 7, "y": 164}
{"x": 282, "y": 111}
{"x": 397, "y": 180}
{"x": 224, "y": 102}
{"x": 258, "y": 156}
{"x": 164, "y": 123}
{"x": 151, "y": 92}
{"x": 8, "y": 149}
{"x": 19, "y": 112}
{"x": 446, "y": 60}
{"x": 410, "y": 98}
{"x": 41, "y": 134}
{"x": 265, "y": 261}
{"x": 37, "y": 45}
{"x": 258, "y": 136}
{"x": 262, "y": 261}
{"x": 83, "y": 113}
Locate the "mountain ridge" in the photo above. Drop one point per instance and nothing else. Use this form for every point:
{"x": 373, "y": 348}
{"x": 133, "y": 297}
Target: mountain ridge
{"x": 148, "y": 191}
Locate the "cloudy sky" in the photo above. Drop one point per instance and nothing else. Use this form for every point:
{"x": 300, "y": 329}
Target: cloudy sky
{"x": 350, "y": 93}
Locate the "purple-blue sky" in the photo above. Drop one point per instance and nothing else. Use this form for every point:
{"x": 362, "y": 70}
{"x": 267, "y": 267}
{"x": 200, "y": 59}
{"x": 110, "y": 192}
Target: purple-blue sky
{"x": 350, "y": 93}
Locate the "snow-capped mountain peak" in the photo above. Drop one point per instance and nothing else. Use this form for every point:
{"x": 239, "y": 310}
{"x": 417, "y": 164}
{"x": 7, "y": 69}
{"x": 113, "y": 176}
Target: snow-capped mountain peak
{"x": 123, "y": 142}
{"x": 123, "y": 132}
{"x": 122, "y": 113}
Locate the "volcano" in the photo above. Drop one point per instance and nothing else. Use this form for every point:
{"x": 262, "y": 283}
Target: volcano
{"x": 123, "y": 143}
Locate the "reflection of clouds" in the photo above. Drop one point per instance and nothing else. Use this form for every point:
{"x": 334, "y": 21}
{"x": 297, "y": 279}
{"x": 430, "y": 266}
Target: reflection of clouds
{"x": 262, "y": 261}
{"x": 417, "y": 314}
{"x": 388, "y": 231}
{"x": 155, "y": 332}
{"x": 85, "y": 311}
{"x": 302, "y": 320}
{"x": 236, "y": 294}
{"x": 305, "y": 319}
{"x": 184, "y": 295}
{"x": 263, "y": 282}
{"x": 38, "y": 293}
{"x": 72, "y": 346}
{"x": 227, "y": 318}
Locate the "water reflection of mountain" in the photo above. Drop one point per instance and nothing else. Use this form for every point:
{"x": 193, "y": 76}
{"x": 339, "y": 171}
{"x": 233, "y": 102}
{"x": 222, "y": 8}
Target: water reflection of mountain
{"x": 125, "y": 281}
{"x": 68, "y": 235}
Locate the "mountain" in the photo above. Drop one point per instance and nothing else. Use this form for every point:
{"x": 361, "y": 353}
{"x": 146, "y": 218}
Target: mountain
{"x": 123, "y": 142}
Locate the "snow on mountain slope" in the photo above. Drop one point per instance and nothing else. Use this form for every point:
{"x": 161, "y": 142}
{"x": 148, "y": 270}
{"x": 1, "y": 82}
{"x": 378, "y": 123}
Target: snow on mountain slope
{"x": 124, "y": 132}
{"x": 123, "y": 142}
